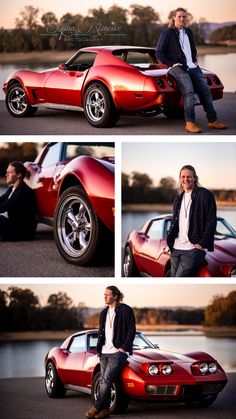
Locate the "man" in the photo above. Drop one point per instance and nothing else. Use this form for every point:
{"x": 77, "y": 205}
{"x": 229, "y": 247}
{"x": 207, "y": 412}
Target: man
{"x": 17, "y": 206}
{"x": 193, "y": 226}
{"x": 115, "y": 342}
{"x": 176, "y": 49}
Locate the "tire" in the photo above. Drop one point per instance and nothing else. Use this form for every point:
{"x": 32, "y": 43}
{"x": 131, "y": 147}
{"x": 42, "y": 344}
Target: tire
{"x": 119, "y": 400}
{"x": 17, "y": 103}
{"x": 99, "y": 108}
{"x": 129, "y": 266}
{"x": 77, "y": 229}
{"x": 53, "y": 384}
{"x": 204, "y": 401}
{"x": 174, "y": 113}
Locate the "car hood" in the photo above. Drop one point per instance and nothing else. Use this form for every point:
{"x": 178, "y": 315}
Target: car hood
{"x": 224, "y": 250}
{"x": 156, "y": 355}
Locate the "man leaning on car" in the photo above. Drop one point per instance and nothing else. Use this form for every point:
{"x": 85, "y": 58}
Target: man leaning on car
{"x": 115, "y": 342}
{"x": 176, "y": 49}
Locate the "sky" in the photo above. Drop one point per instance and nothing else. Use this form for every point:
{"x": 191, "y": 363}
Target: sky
{"x": 213, "y": 162}
{"x": 147, "y": 293}
{"x": 212, "y": 11}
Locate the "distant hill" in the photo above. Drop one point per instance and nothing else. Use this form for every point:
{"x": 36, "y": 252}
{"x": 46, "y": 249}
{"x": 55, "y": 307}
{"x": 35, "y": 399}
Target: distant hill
{"x": 210, "y": 27}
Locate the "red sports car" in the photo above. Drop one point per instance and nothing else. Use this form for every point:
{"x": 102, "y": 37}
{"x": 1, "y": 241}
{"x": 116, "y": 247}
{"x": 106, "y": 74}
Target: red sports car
{"x": 146, "y": 252}
{"x": 74, "y": 188}
{"x": 103, "y": 82}
{"x": 150, "y": 373}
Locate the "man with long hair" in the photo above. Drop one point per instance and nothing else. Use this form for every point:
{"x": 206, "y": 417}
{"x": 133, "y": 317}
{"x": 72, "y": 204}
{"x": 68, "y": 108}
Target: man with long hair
{"x": 176, "y": 49}
{"x": 193, "y": 227}
{"x": 17, "y": 206}
{"x": 115, "y": 343}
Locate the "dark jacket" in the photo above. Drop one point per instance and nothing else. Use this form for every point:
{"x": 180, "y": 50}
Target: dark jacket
{"x": 202, "y": 219}
{"x": 169, "y": 50}
{"x": 124, "y": 328}
{"x": 21, "y": 209}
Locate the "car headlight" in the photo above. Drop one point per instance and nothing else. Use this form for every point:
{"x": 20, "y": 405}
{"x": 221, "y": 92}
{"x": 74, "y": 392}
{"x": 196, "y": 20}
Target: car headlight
{"x": 166, "y": 369}
{"x": 203, "y": 368}
{"x": 212, "y": 368}
{"x": 153, "y": 369}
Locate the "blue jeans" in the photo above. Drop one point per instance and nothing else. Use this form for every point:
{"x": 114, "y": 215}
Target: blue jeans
{"x": 111, "y": 366}
{"x": 190, "y": 82}
{"x": 186, "y": 262}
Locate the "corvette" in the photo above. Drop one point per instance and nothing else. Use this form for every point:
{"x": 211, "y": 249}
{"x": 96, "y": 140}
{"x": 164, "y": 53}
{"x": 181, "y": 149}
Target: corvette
{"x": 146, "y": 252}
{"x": 103, "y": 82}
{"x": 74, "y": 189}
{"x": 150, "y": 373}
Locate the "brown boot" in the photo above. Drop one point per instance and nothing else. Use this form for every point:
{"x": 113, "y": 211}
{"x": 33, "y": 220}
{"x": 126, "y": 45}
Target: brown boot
{"x": 217, "y": 125}
{"x": 105, "y": 413}
{"x": 192, "y": 127}
{"x": 92, "y": 412}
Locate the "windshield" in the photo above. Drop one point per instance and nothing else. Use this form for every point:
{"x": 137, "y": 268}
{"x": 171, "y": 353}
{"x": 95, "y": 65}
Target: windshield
{"x": 141, "y": 342}
{"x": 101, "y": 151}
{"x": 223, "y": 228}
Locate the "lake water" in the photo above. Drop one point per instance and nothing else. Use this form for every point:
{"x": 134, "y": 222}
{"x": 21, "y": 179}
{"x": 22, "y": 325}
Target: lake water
{"x": 221, "y": 64}
{"x": 26, "y": 359}
{"x": 135, "y": 220}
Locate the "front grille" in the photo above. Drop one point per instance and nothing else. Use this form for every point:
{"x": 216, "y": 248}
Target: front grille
{"x": 159, "y": 390}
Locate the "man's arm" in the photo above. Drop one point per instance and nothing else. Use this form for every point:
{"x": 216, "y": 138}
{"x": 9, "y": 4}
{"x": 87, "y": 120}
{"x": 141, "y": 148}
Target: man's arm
{"x": 210, "y": 220}
{"x": 131, "y": 330}
{"x": 162, "y": 48}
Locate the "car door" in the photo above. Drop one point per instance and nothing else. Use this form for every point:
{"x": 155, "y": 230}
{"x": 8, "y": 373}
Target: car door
{"x": 64, "y": 85}
{"x": 44, "y": 178}
{"x": 72, "y": 371}
{"x": 152, "y": 249}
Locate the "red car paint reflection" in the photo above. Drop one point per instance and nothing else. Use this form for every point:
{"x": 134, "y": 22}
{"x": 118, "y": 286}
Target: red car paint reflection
{"x": 149, "y": 374}
{"x": 104, "y": 82}
{"x": 146, "y": 251}
{"x": 74, "y": 188}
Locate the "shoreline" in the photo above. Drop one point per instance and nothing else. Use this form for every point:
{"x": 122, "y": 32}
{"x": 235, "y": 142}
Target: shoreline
{"x": 227, "y": 205}
{"x": 44, "y": 57}
{"x": 173, "y": 330}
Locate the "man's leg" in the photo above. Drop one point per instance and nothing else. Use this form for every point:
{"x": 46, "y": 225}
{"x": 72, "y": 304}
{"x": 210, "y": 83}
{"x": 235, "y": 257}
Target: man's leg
{"x": 190, "y": 262}
{"x": 201, "y": 87}
{"x": 174, "y": 260}
{"x": 185, "y": 85}
{"x": 111, "y": 366}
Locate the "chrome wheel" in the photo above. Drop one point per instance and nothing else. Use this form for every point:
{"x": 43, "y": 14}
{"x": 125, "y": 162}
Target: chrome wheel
{"x": 113, "y": 392}
{"x": 50, "y": 379}
{"x": 74, "y": 226}
{"x": 99, "y": 107}
{"x": 17, "y": 100}
{"x": 77, "y": 230}
{"x": 95, "y": 104}
{"x": 126, "y": 264}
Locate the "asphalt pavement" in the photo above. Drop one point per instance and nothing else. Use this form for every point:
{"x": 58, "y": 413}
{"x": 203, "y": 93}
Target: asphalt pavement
{"x": 53, "y": 122}
{"x": 25, "y": 398}
{"x": 40, "y": 258}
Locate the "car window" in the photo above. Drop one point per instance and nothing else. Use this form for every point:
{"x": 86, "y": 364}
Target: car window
{"x": 83, "y": 61}
{"x": 155, "y": 231}
{"x": 224, "y": 229}
{"x": 96, "y": 151}
{"x": 78, "y": 344}
{"x": 137, "y": 58}
{"x": 52, "y": 156}
{"x": 92, "y": 341}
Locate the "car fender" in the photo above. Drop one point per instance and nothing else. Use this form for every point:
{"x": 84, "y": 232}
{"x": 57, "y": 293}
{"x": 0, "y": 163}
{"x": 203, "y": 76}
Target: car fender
{"x": 96, "y": 180}
{"x": 200, "y": 356}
